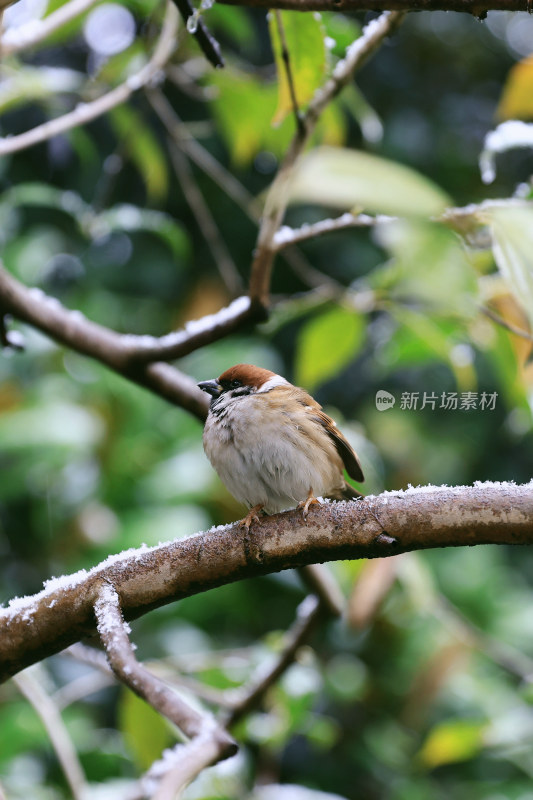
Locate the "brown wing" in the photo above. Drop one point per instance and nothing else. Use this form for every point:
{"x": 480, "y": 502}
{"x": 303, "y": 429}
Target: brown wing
{"x": 344, "y": 448}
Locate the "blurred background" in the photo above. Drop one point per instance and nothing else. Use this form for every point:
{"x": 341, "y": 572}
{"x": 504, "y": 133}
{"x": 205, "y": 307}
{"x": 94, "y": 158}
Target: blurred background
{"x": 424, "y": 691}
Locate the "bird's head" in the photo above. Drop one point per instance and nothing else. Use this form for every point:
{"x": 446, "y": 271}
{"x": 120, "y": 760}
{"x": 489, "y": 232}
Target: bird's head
{"x": 240, "y": 381}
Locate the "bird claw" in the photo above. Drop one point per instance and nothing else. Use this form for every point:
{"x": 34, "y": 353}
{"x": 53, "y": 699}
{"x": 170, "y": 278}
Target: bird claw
{"x": 310, "y": 501}
{"x": 252, "y": 516}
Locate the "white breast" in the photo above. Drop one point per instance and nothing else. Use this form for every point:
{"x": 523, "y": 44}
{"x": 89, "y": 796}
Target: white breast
{"x": 263, "y": 456}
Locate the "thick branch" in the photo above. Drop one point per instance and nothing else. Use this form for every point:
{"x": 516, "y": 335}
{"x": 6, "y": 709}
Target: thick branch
{"x": 34, "y": 627}
{"x": 128, "y": 355}
{"x": 118, "y": 351}
{"x": 476, "y": 7}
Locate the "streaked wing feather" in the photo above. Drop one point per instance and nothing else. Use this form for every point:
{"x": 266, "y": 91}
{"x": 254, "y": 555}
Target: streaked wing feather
{"x": 344, "y": 448}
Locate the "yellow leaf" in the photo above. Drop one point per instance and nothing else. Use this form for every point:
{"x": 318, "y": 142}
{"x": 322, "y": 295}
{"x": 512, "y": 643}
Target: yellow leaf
{"x": 516, "y": 101}
{"x": 303, "y": 36}
{"x": 455, "y": 740}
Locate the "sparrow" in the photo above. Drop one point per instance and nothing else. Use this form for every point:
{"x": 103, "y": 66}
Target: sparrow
{"x": 272, "y": 445}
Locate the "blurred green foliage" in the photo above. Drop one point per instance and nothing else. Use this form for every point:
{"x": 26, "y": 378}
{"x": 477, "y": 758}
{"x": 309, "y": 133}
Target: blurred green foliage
{"x": 432, "y": 698}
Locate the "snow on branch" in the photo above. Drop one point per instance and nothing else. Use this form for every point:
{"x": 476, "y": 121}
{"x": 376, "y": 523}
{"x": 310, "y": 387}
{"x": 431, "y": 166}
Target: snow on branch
{"x": 114, "y": 632}
{"x": 130, "y": 356}
{"x": 32, "y": 628}
{"x": 33, "y": 32}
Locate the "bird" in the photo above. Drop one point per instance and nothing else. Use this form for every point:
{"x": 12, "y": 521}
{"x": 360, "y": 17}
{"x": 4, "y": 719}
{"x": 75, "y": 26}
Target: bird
{"x": 272, "y": 445}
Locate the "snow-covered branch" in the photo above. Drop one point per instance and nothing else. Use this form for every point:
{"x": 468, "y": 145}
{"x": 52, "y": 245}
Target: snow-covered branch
{"x": 35, "y": 31}
{"x": 393, "y": 522}
{"x": 131, "y": 356}
{"x": 113, "y": 632}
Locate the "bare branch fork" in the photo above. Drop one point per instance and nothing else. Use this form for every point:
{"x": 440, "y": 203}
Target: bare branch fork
{"x": 212, "y": 742}
{"x": 32, "y": 628}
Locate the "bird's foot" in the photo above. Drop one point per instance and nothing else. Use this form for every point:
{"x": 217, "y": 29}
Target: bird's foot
{"x": 252, "y": 516}
{"x": 310, "y": 501}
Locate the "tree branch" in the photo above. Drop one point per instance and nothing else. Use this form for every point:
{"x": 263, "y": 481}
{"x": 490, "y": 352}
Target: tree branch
{"x": 286, "y": 236}
{"x": 507, "y": 325}
{"x": 205, "y": 220}
{"x": 310, "y": 612}
{"x": 128, "y": 355}
{"x": 478, "y": 8}
{"x": 276, "y": 201}
{"x": 86, "y": 112}
{"x": 35, "y": 31}
{"x": 28, "y": 685}
{"x": 32, "y": 628}
{"x": 208, "y": 44}
{"x": 113, "y": 632}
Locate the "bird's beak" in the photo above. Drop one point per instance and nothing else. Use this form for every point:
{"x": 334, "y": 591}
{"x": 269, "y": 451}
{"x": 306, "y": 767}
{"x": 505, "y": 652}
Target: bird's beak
{"x": 211, "y": 387}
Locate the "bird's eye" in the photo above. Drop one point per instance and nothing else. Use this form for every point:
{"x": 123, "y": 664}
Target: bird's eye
{"x": 236, "y": 383}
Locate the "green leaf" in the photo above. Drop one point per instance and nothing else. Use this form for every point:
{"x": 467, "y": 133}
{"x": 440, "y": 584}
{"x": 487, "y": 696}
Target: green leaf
{"x": 340, "y": 29}
{"x": 512, "y": 246}
{"x": 350, "y": 179}
{"x": 244, "y": 109}
{"x": 233, "y": 22}
{"x": 326, "y": 344}
{"x": 145, "y": 731}
{"x": 304, "y": 39}
{"x": 451, "y": 741}
{"x": 429, "y": 265}
{"x": 141, "y": 145}
{"x": 424, "y": 339}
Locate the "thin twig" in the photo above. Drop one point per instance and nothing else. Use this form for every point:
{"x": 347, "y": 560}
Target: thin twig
{"x": 32, "y": 33}
{"x": 310, "y": 612}
{"x": 120, "y": 654}
{"x": 286, "y": 58}
{"x": 28, "y": 685}
{"x": 319, "y": 580}
{"x": 231, "y": 186}
{"x": 286, "y": 236}
{"x": 207, "y": 42}
{"x": 276, "y": 202}
{"x": 86, "y": 112}
{"x": 205, "y": 220}
{"x": 202, "y": 157}
{"x": 507, "y": 325}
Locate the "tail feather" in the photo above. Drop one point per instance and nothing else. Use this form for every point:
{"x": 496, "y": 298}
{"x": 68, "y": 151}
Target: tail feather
{"x": 347, "y": 492}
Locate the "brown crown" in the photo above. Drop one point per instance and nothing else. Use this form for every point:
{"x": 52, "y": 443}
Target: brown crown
{"x": 247, "y": 374}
